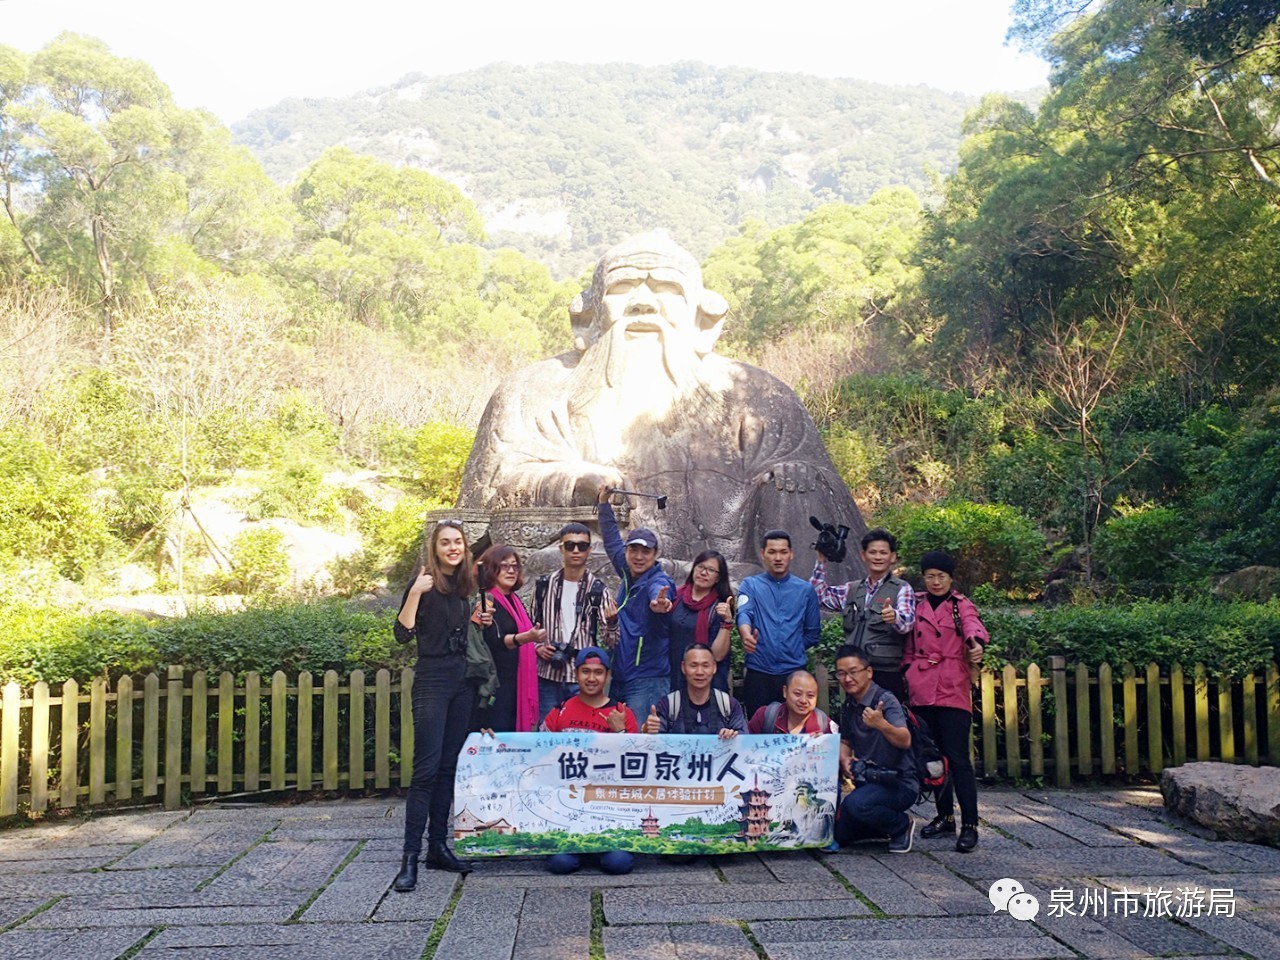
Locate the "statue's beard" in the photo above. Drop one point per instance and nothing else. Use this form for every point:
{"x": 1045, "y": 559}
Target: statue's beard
{"x": 616, "y": 363}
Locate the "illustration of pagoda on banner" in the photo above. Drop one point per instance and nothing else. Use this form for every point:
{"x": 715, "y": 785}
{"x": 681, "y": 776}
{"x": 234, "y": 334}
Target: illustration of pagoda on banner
{"x": 753, "y": 813}
{"x": 649, "y": 825}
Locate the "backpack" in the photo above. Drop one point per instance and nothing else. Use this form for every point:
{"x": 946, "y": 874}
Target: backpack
{"x": 721, "y": 699}
{"x": 771, "y": 717}
{"x": 931, "y": 763}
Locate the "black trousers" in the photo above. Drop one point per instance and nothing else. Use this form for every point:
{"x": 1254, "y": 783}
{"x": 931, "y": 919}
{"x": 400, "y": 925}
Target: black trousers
{"x": 761, "y": 689}
{"x": 442, "y": 702}
{"x": 950, "y": 729}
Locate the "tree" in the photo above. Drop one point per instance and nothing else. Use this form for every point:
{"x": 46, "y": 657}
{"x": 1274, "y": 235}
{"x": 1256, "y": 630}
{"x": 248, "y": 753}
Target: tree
{"x": 385, "y": 243}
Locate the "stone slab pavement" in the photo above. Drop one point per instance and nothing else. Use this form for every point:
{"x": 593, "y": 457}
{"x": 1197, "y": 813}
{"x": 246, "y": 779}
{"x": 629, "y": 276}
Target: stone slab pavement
{"x": 1113, "y": 875}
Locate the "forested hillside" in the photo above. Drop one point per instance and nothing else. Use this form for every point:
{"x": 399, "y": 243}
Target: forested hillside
{"x": 563, "y": 160}
{"x": 1065, "y": 367}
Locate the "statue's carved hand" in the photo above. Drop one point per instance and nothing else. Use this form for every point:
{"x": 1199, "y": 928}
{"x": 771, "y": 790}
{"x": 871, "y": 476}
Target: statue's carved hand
{"x": 590, "y": 481}
{"x": 787, "y": 477}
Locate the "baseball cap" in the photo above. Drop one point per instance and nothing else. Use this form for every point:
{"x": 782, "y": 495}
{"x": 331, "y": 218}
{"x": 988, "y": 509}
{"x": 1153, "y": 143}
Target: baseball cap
{"x": 592, "y": 653}
{"x": 643, "y": 538}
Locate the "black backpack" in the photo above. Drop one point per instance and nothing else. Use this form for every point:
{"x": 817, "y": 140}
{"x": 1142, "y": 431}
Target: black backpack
{"x": 931, "y": 763}
{"x": 721, "y": 699}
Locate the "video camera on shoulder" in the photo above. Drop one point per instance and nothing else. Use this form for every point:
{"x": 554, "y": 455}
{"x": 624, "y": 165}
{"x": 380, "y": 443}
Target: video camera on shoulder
{"x": 831, "y": 540}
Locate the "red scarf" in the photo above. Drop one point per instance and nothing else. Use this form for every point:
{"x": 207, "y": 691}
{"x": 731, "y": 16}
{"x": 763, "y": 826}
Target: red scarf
{"x": 527, "y": 718}
{"x": 701, "y": 629}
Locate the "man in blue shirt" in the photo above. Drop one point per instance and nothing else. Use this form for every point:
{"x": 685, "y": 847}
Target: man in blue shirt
{"x": 778, "y": 620}
{"x": 641, "y": 670}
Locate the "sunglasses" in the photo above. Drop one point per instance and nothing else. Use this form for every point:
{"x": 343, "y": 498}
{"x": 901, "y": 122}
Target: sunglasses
{"x": 575, "y": 546}
{"x": 456, "y": 524}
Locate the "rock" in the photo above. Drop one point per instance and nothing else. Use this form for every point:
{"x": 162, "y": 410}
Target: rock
{"x": 1251, "y": 583}
{"x": 1235, "y": 802}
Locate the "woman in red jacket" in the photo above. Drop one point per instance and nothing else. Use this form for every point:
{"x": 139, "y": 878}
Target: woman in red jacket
{"x": 947, "y": 639}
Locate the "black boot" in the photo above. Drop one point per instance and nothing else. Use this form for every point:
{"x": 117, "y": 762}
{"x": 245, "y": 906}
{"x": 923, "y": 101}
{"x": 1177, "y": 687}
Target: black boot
{"x": 407, "y": 878}
{"x": 939, "y": 826}
{"x": 440, "y": 857}
{"x": 968, "y": 838}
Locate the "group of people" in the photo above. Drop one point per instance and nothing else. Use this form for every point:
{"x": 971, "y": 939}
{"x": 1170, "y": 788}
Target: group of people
{"x": 586, "y": 659}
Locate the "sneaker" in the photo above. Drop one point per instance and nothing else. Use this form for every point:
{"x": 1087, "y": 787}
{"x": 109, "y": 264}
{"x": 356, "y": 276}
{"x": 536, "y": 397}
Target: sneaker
{"x": 968, "y": 838}
{"x": 939, "y": 826}
{"x": 902, "y": 842}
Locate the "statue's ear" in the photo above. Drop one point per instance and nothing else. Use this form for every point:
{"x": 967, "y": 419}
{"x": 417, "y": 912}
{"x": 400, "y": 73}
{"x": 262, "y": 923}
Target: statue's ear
{"x": 581, "y": 319}
{"x": 712, "y": 309}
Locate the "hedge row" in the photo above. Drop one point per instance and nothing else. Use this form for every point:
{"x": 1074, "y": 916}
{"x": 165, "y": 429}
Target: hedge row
{"x": 41, "y": 643}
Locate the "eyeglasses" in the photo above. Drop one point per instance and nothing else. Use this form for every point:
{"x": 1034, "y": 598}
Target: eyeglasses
{"x": 850, "y": 674}
{"x": 936, "y": 577}
{"x": 711, "y": 571}
{"x": 578, "y": 546}
{"x": 511, "y": 565}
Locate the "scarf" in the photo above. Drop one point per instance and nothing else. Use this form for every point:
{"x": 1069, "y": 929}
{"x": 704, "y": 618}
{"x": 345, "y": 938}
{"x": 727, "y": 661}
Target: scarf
{"x": 701, "y": 629}
{"x": 527, "y": 669}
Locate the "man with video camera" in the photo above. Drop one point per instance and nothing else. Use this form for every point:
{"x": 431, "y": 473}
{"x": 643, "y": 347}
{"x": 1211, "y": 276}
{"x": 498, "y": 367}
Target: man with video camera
{"x": 875, "y": 755}
{"x": 573, "y": 611}
{"x": 879, "y": 610}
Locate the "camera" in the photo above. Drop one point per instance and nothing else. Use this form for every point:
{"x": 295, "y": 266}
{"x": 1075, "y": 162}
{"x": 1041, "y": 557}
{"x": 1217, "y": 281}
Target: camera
{"x": 456, "y": 641}
{"x": 864, "y": 772}
{"x": 562, "y": 654}
{"x": 596, "y": 597}
{"x": 831, "y": 540}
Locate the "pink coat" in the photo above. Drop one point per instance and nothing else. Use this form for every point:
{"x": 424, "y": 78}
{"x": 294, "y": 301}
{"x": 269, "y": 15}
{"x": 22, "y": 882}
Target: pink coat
{"x": 936, "y": 660}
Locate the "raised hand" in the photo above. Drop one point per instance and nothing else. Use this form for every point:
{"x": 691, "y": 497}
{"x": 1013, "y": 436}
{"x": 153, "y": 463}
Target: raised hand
{"x": 723, "y": 611}
{"x": 424, "y": 583}
{"x": 651, "y": 723}
{"x": 660, "y": 603}
{"x": 874, "y": 717}
{"x": 534, "y": 634}
{"x": 887, "y": 613}
{"x": 618, "y": 719}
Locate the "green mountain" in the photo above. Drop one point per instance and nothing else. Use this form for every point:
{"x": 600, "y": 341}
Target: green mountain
{"x": 564, "y": 159}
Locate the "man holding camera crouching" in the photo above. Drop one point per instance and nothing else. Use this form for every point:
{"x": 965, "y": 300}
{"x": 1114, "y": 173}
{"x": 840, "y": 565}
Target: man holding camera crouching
{"x": 573, "y": 611}
{"x": 875, "y": 754}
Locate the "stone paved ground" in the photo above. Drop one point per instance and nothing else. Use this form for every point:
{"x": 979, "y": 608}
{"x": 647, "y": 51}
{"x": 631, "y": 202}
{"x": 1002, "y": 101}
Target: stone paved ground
{"x": 312, "y": 882}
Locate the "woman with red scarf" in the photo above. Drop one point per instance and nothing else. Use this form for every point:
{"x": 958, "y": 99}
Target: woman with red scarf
{"x": 701, "y": 615}
{"x": 512, "y": 639}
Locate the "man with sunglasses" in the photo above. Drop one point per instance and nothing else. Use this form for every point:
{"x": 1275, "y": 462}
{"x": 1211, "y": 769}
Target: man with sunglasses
{"x": 566, "y": 619}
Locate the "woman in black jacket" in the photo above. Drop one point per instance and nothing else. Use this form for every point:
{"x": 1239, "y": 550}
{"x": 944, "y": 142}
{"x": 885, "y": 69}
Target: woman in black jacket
{"x": 434, "y": 614}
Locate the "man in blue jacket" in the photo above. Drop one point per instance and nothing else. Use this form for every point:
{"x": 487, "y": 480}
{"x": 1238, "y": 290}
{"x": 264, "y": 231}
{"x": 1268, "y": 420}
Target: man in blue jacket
{"x": 641, "y": 671}
{"x": 778, "y": 619}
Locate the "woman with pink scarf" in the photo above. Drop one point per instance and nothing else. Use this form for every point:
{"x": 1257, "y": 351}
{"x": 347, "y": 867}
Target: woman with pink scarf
{"x": 512, "y": 639}
{"x": 701, "y": 614}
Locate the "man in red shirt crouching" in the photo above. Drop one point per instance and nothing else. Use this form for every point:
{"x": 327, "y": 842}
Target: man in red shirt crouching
{"x": 591, "y": 709}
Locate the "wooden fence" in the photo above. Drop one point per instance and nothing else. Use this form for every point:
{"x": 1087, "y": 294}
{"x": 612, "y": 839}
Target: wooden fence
{"x": 182, "y": 738}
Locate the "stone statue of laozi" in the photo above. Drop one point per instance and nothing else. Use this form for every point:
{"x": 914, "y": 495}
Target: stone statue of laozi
{"x": 643, "y": 403}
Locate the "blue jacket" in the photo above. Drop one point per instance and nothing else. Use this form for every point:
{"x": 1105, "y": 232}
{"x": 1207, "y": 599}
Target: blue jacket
{"x": 642, "y": 643}
{"x": 784, "y": 614}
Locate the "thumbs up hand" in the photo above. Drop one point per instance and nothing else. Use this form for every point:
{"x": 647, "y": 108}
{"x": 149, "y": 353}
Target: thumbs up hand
{"x": 887, "y": 614}
{"x": 651, "y": 723}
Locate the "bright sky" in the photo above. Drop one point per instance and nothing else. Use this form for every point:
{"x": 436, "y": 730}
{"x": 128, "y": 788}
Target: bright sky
{"x": 234, "y": 56}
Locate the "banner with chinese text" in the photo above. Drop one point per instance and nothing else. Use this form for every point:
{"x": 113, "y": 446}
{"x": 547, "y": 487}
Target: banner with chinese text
{"x": 579, "y": 792}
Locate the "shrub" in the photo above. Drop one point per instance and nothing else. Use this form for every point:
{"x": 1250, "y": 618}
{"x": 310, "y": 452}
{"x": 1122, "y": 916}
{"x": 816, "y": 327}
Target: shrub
{"x": 1150, "y": 548}
{"x": 441, "y": 453}
{"x": 992, "y": 543}
{"x": 54, "y": 645}
{"x": 46, "y": 510}
{"x": 259, "y": 564}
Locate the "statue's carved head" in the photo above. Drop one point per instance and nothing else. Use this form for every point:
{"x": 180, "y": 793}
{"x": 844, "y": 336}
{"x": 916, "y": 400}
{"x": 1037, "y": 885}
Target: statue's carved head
{"x": 648, "y": 282}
